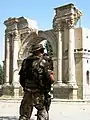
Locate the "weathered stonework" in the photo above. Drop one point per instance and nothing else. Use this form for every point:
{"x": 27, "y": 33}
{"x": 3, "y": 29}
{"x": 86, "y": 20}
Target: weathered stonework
{"x": 63, "y": 23}
{"x": 21, "y": 33}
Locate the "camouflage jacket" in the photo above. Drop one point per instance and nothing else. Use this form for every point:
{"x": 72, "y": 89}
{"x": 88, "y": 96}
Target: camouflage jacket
{"x": 35, "y": 72}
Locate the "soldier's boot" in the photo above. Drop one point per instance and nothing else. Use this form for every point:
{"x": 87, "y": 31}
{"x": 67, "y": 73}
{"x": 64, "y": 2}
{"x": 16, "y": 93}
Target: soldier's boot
{"x": 42, "y": 115}
{"x": 48, "y": 116}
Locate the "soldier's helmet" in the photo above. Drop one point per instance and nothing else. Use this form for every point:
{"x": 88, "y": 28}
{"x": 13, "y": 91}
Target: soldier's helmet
{"x": 37, "y": 47}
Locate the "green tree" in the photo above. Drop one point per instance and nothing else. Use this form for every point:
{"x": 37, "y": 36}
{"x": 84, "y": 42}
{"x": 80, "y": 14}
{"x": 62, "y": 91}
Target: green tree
{"x": 49, "y": 48}
{"x": 1, "y": 74}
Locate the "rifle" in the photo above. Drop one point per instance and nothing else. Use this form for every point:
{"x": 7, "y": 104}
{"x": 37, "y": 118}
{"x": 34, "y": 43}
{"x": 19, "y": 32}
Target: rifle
{"x": 47, "y": 101}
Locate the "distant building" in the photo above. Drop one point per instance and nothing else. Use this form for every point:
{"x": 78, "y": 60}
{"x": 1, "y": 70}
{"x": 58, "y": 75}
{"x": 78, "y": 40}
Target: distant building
{"x": 82, "y": 61}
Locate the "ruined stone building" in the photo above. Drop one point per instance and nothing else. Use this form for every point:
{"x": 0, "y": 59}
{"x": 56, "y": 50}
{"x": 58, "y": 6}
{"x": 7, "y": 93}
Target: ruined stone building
{"x": 70, "y": 46}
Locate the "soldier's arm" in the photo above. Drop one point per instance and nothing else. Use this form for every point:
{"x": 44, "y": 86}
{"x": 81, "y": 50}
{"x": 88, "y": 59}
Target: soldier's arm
{"x": 49, "y": 69}
{"x": 21, "y": 73}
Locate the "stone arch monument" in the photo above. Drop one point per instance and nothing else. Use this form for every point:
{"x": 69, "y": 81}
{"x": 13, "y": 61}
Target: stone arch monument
{"x": 21, "y": 33}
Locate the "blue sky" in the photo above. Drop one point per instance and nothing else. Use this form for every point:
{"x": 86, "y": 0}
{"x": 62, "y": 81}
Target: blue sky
{"x": 40, "y": 10}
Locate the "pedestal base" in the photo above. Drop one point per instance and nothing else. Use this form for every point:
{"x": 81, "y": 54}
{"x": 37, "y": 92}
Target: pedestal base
{"x": 8, "y": 90}
{"x": 14, "y": 91}
{"x": 64, "y": 91}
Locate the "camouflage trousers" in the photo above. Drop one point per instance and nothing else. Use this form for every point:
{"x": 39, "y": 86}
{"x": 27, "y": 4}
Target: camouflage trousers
{"x": 30, "y": 100}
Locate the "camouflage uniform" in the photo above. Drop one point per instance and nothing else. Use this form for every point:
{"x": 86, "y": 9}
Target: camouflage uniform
{"x": 36, "y": 86}
{"x": 31, "y": 99}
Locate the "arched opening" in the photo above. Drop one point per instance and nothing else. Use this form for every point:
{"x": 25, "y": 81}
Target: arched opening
{"x": 41, "y": 37}
{"x": 48, "y": 48}
{"x": 33, "y": 38}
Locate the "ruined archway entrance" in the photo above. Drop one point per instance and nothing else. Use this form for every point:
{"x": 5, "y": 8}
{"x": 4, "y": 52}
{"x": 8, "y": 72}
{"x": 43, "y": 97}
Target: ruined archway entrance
{"x": 34, "y": 38}
{"x": 21, "y": 33}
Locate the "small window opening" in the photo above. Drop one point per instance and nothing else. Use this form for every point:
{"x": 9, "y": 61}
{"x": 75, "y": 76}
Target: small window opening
{"x": 86, "y": 36}
{"x": 87, "y": 76}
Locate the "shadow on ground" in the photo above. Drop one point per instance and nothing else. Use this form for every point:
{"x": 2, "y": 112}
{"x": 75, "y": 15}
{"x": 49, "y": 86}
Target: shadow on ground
{"x": 8, "y": 118}
{"x": 11, "y": 118}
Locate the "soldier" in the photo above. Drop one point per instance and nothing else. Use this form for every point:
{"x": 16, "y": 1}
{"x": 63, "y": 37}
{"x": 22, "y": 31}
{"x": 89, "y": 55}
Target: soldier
{"x": 36, "y": 78}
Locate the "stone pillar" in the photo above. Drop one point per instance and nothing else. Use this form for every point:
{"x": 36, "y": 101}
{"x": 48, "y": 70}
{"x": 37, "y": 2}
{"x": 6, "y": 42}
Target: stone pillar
{"x": 59, "y": 58}
{"x": 15, "y": 64}
{"x": 65, "y": 57}
{"x": 7, "y": 88}
{"x": 15, "y": 57}
{"x": 71, "y": 58}
{"x": 7, "y": 45}
{"x": 57, "y": 88}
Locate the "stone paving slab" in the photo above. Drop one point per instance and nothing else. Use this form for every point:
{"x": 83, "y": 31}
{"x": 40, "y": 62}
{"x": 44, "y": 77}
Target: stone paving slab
{"x": 9, "y": 110}
{"x": 8, "y": 118}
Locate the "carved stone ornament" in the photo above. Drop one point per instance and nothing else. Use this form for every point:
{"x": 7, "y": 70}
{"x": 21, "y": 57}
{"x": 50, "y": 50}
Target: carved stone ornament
{"x": 64, "y": 12}
{"x": 7, "y": 35}
{"x": 70, "y": 23}
{"x": 22, "y": 25}
{"x": 59, "y": 26}
{"x": 11, "y": 27}
{"x": 22, "y": 36}
{"x": 15, "y": 32}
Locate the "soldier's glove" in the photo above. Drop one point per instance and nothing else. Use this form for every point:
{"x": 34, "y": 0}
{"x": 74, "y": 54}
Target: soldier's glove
{"x": 50, "y": 75}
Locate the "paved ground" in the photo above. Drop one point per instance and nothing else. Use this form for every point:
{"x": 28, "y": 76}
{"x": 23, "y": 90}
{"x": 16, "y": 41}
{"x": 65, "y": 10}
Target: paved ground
{"x": 9, "y": 110}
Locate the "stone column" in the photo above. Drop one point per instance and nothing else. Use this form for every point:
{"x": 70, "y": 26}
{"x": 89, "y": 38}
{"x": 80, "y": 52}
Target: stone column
{"x": 15, "y": 57}
{"x": 7, "y": 88}
{"x": 65, "y": 56}
{"x": 59, "y": 57}
{"x": 15, "y": 64}
{"x": 57, "y": 88}
{"x": 71, "y": 59}
{"x": 7, "y": 45}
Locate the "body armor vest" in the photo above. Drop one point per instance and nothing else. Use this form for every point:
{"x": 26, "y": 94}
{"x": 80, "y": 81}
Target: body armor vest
{"x": 34, "y": 73}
